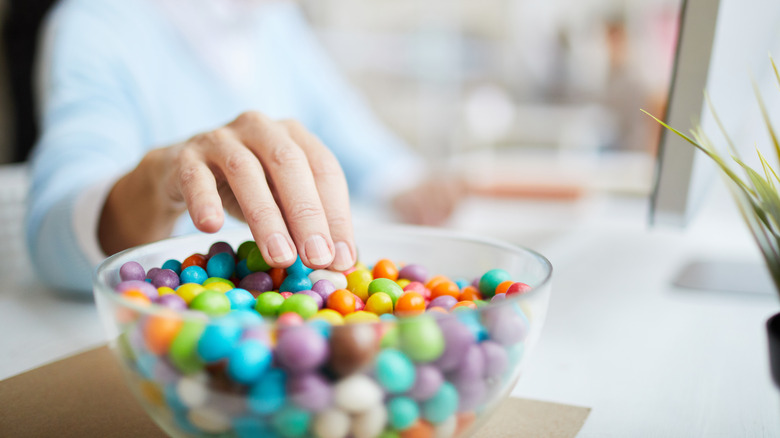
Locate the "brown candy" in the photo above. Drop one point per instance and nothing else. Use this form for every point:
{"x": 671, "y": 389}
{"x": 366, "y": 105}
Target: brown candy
{"x": 352, "y": 347}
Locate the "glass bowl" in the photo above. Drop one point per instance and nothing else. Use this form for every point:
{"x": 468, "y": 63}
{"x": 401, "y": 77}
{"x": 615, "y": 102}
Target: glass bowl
{"x": 434, "y": 374}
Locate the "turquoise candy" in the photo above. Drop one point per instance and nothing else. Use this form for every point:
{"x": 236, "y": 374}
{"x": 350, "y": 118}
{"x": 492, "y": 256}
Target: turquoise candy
{"x": 394, "y": 371}
{"x": 295, "y": 283}
{"x": 193, "y": 274}
{"x": 211, "y": 302}
{"x": 421, "y": 338}
{"x": 403, "y": 412}
{"x": 240, "y": 299}
{"x": 221, "y": 264}
{"x": 253, "y": 427}
{"x": 172, "y": 264}
{"x": 387, "y": 286}
{"x": 242, "y": 270}
{"x": 269, "y": 394}
{"x": 301, "y": 304}
{"x": 298, "y": 269}
{"x": 490, "y": 280}
{"x": 248, "y": 361}
{"x": 291, "y": 422}
{"x": 443, "y": 404}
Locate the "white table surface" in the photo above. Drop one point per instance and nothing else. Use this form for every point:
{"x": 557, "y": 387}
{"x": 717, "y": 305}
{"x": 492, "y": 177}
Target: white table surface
{"x": 649, "y": 358}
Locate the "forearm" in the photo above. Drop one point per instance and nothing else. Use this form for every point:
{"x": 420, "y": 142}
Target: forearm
{"x": 137, "y": 209}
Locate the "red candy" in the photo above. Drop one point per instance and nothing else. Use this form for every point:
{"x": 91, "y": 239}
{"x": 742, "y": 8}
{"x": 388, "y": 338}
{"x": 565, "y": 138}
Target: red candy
{"x": 517, "y": 289}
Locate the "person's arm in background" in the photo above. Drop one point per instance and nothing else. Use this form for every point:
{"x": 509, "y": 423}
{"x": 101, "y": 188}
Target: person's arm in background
{"x": 91, "y": 134}
{"x": 379, "y": 165}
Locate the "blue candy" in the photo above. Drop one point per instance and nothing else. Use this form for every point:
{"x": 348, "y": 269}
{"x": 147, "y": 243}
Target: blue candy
{"x": 172, "y": 264}
{"x": 269, "y": 395}
{"x": 443, "y": 404}
{"x": 294, "y": 283}
{"x": 242, "y": 270}
{"x": 248, "y": 361}
{"x": 221, "y": 264}
{"x": 403, "y": 412}
{"x": 253, "y": 427}
{"x": 240, "y": 298}
{"x": 193, "y": 274}
{"x": 298, "y": 269}
{"x": 218, "y": 339}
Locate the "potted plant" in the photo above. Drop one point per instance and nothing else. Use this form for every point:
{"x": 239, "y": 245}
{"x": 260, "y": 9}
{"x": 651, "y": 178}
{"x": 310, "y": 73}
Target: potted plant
{"x": 757, "y": 197}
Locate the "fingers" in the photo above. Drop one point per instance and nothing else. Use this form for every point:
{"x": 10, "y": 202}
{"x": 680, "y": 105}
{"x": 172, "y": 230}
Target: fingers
{"x": 198, "y": 189}
{"x": 287, "y": 167}
{"x": 333, "y": 192}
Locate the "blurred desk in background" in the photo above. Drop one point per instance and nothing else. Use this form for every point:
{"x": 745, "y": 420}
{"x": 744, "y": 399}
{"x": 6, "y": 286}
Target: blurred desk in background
{"x": 650, "y": 359}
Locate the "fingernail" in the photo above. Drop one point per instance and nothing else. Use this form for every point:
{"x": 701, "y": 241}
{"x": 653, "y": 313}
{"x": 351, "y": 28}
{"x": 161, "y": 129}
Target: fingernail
{"x": 317, "y": 250}
{"x": 279, "y": 249}
{"x": 343, "y": 259}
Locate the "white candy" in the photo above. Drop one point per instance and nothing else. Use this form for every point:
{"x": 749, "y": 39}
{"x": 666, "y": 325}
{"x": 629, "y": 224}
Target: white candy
{"x": 337, "y": 278}
{"x": 356, "y": 393}
{"x": 209, "y": 420}
{"x": 371, "y": 423}
{"x": 331, "y": 423}
{"x": 446, "y": 429}
{"x": 193, "y": 390}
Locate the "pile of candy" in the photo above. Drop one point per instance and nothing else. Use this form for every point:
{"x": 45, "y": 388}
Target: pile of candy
{"x": 381, "y": 351}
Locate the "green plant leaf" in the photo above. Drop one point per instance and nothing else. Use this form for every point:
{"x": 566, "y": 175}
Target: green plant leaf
{"x": 768, "y": 199}
{"x": 767, "y": 121}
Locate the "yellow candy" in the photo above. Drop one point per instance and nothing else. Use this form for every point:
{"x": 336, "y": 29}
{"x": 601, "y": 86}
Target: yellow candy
{"x": 211, "y": 280}
{"x": 330, "y": 316}
{"x": 379, "y": 303}
{"x": 403, "y": 282}
{"x": 219, "y": 286}
{"x": 361, "y": 265}
{"x": 361, "y": 316}
{"x": 188, "y": 291}
{"x": 165, "y": 290}
{"x": 357, "y": 283}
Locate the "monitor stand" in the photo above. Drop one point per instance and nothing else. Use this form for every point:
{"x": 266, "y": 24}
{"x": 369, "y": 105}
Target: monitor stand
{"x": 726, "y": 276}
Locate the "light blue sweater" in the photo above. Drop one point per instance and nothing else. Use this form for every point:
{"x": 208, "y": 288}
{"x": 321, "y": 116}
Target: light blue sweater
{"x": 117, "y": 80}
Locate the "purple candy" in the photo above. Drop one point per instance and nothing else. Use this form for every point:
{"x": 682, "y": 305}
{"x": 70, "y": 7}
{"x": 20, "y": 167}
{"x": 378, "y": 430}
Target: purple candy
{"x": 471, "y": 393}
{"x": 496, "y": 359}
{"x": 141, "y": 285}
{"x": 219, "y": 247}
{"x": 166, "y": 278}
{"x": 475, "y": 282}
{"x": 309, "y": 391}
{"x": 444, "y": 301}
{"x": 259, "y": 334}
{"x": 317, "y": 297}
{"x": 132, "y": 271}
{"x": 413, "y": 272}
{"x": 457, "y": 339}
{"x": 427, "y": 381}
{"x": 257, "y": 281}
{"x": 171, "y": 301}
{"x": 324, "y": 288}
{"x": 151, "y": 273}
{"x": 301, "y": 349}
{"x": 504, "y": 325}
{"x": 472, "y": 365}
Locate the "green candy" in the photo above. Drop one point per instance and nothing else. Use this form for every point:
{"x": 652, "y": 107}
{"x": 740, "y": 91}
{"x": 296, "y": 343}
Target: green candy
{"x": 387, "y": 286}
{"x": 211, "y": 302}
{"x": 390, "y": 338}
{"x": 183, "y": 351}
{"x": 301, "y": 304}
{"x": 218, "y": 280}
{"x": 255, "y": 261}
{"x": 245, "y": 248}
{"x": 389, "y": 434}
{"x": 268, "y": 303}
{"x": 490, "y": 280}
{"x": 421, "y": 339}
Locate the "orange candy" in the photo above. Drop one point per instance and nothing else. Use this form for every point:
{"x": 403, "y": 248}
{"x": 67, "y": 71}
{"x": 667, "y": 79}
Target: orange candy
{"x": 410, "y": 303}
{"x": 446, "y": 287}
{"x": 194, "y": 260}
{"x": 469, "y": 304}
{"x": 503, "y": 286}
{"x": 342, "y": 301}
{"x": 159, "y": 331}
{"x": 277, "y": 276}
{"x": 470, "y": 293}
{"x": 385, "y": 268}
{"x": 435, "y": 280}
{"x": 420, "y": 429}
{"x": 136, "y": 296}
{"x": 465, "y": 421}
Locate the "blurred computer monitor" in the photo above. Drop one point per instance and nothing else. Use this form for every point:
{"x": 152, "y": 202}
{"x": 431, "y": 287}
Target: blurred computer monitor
{"x": 721, "y": 43}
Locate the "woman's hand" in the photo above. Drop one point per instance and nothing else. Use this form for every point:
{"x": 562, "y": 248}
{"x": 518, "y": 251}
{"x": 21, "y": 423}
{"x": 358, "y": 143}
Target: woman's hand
{"x": 275, "y": 175}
